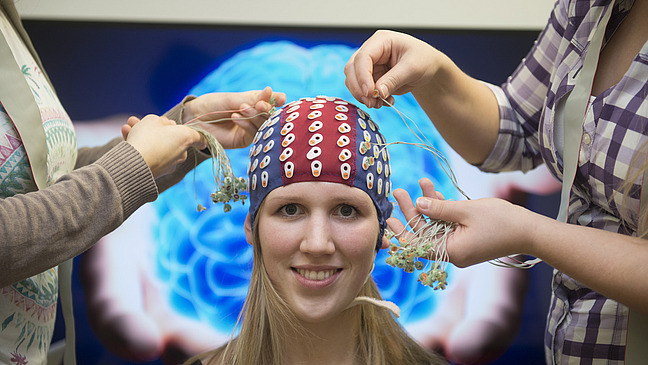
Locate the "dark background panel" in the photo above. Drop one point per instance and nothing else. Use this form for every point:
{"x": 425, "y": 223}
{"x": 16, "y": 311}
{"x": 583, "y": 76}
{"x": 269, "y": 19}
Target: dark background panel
{"x": 103, "y": 69}
{"x": 100, "y": 69}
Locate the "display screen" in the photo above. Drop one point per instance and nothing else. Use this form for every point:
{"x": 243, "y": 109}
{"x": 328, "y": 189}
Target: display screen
{"x": 185, "y": 273}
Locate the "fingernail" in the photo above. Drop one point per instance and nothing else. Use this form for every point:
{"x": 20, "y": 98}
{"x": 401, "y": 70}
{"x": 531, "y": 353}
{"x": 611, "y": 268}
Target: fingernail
{"x": 365, "y": 90}
{"x": 383, "y": 91}
{"x": 423, "y": 203}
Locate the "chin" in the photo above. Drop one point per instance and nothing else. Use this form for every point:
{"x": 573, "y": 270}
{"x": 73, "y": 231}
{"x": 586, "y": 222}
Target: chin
{"x": 314, "y": 314}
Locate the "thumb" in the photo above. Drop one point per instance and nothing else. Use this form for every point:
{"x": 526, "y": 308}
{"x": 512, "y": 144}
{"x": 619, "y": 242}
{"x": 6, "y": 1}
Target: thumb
{"x": 394, "y": 80}
{"x": 132, "y": 120}
{"x": 383, "y": 88}
{"x": 439, "y": 209}
{"x": 387, "y": 83}
{"x": 196, "y": 138}
{"x": 125, "y": 129}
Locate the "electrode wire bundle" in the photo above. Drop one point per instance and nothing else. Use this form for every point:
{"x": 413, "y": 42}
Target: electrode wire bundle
{"x": 228, "y": 188}
{"x": 429, "y": 241}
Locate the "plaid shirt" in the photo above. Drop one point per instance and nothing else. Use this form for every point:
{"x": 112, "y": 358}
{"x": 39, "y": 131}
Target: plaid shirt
{"x": 583, "y": 327}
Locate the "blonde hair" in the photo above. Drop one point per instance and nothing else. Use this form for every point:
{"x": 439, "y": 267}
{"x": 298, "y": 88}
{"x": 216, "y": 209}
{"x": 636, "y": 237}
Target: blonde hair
{"x": 268, "y": 325}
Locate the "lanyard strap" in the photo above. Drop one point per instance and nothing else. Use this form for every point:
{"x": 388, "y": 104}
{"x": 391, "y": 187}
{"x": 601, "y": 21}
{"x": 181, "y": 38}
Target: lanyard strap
{"x": 575, "y": 108}
{"x": 19, "y": 104}
{"x": 17, "y": 99}
{"x": 65, "y": 292}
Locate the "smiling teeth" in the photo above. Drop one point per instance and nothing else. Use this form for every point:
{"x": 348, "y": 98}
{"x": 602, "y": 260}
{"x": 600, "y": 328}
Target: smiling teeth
{"x": 315, "y": 275}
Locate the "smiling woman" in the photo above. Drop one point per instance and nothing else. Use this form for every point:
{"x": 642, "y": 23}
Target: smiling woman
{"x": 318, "y": 252}
{"x": 319, "y": 181}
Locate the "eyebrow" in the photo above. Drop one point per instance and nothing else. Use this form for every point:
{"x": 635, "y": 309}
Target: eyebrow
{"x": 336, "y": 199}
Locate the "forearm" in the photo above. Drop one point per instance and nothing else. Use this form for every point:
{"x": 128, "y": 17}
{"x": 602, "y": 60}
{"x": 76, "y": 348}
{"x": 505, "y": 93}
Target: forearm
{"x": 463, "y": 109}
{"x": 609, "y": 263}
{"x": 88, "y": 155}
{"x": 194, "y": 157}
{"x": 41, "y": 229}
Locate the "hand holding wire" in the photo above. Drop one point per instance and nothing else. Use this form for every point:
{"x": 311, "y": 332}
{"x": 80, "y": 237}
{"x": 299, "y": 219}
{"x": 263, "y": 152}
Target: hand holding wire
{"x": 232, "y": 118}
{"x": 393, "y": 63}
{"x": 223, "y": 127}
{"x": 429, "y": 233}
{"x": 423, "y": 245}
{"x": 161, "y": 142}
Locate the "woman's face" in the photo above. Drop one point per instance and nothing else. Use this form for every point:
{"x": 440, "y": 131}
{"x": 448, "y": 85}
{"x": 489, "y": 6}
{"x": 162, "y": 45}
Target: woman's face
{"x": 318, "y": 241}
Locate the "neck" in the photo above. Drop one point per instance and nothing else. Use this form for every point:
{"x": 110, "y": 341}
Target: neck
{"x": 330, "y": 342}
{"x": 626, "y": 42}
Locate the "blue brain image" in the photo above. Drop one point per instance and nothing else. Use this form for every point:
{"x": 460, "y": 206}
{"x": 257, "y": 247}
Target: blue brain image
{"x": 204, "y": 258}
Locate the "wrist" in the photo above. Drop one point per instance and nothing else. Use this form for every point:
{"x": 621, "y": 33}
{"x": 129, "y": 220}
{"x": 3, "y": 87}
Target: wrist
{"x": 531, "y": 229}
{"x": 187, "y": 111}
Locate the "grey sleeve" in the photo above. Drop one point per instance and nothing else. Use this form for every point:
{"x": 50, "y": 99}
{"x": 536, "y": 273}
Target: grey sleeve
{"x": 41, "y": 229}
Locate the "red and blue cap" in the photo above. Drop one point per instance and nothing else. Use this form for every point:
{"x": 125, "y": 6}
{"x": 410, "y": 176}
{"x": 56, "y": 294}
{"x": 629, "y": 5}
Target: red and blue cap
{"x": 320, "y": 139}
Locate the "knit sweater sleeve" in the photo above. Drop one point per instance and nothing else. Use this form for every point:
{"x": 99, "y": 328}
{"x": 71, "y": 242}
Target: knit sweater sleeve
{"x": 194, "y": 157}
{"x": 89, "y": 155}
{"x": 41, "y": 229}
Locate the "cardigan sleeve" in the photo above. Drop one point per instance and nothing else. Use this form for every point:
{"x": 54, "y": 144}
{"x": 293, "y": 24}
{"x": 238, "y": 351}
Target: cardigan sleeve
{"x": 88, "y": 155}
{"x": 41, "y": 229}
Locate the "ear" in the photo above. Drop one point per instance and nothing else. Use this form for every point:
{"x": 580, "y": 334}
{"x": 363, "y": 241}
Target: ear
{"x": 248, "y": 229}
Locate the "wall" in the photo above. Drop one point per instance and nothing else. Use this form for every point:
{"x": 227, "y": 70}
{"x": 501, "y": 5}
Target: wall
{"x": 447, "y": 14}
{"x": 148, "y": 63}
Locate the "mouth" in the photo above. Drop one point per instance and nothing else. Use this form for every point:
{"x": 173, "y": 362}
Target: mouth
{"x": 316, "y": 275}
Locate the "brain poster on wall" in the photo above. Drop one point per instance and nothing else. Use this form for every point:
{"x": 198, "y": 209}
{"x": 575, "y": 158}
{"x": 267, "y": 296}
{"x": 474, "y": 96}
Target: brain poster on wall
{"x": 185, "y": 275}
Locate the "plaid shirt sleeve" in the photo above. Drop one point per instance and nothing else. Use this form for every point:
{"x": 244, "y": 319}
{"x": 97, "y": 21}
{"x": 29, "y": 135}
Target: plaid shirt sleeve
{"x": 522, "y": 99}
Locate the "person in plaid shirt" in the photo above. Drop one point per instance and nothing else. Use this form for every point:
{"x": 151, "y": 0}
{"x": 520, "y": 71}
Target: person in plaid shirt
{"x": 600, "y": 269}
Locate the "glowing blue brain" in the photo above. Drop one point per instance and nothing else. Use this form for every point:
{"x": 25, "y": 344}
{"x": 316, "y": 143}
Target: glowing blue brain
{"x": 204, "y": 257}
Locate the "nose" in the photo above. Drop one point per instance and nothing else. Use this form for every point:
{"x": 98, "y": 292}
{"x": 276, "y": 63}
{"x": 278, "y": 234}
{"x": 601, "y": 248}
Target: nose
{"x": 318, "y": 238}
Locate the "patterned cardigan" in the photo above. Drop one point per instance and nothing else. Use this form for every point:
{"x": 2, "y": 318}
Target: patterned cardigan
{"x": 44, "y": 228}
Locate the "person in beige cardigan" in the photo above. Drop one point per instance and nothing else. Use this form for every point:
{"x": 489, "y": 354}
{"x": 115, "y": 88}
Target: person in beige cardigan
{"x": 58, "y": 201}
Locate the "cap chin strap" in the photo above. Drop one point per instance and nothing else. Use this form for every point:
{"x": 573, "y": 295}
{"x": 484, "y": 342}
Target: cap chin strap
{"x": 377, "y": 302}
